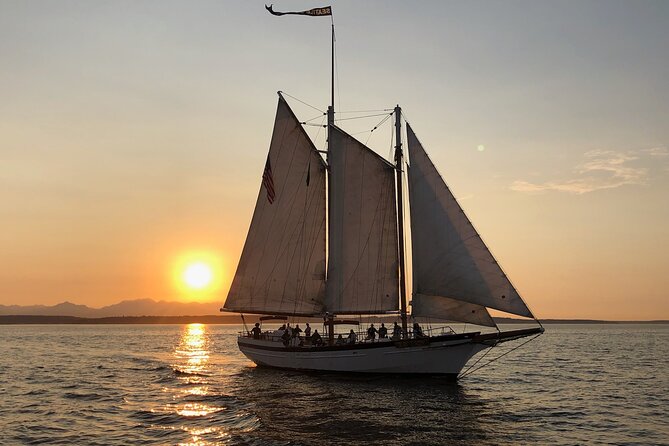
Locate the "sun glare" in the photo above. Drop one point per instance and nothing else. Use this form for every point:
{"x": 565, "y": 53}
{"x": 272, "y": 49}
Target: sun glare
{"x": 198, "y": 275}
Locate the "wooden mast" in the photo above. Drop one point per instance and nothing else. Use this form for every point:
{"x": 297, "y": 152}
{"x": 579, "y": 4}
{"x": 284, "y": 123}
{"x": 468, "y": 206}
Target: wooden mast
{"x": 330, "y": 317}
{"x": 400, "y": 218}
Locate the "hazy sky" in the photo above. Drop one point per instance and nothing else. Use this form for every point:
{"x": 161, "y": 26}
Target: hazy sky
{"x": 134, "y": 133}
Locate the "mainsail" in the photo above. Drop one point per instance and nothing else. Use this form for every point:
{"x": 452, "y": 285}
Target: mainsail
{"x": 363, "y": 263}
{"x": 282, "y": 266}
{"x": 449, "y": 258}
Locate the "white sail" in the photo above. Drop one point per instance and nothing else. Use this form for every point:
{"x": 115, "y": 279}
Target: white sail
{"x": 449, "y": 257}
{"x": 439, "y": 307}
{"x": 362, "y": 268}
{"x": 282, "y": 266}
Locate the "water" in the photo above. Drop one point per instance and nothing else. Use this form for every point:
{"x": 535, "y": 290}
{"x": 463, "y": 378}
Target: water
{"x": 189, "y": 385}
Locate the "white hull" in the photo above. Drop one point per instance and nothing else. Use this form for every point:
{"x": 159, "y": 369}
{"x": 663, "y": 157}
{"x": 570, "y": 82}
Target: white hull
{"x": 445, "y": 355}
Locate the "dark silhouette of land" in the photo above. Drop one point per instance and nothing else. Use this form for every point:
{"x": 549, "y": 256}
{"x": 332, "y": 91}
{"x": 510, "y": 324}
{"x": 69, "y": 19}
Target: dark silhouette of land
{"x": 137, "y": 307}
{"x": 148, "y": 311}
{"x": 235, "y": 319}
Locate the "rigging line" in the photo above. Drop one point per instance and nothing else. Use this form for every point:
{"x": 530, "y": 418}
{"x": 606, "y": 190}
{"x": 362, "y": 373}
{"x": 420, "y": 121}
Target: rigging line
{"x": 357, "y": 133}
{"x": 377, "y": 126}
{"x": 478, "y": 360}
{"x": 321, "y": 126}
{"x": 314, "y": 118}
{"x": 302, "y": 102}
{"x": 500, "y": 356}
{"x": 367, "y": 111}
{"x": 365, "y": 116}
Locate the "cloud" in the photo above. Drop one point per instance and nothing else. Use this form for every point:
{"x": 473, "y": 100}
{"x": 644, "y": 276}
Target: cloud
{"x": 601, "y": 169}
{"x": 657, "y": 152}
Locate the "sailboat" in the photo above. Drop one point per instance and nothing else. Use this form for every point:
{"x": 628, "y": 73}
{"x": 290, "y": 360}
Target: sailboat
{"x": 327, "y": 239}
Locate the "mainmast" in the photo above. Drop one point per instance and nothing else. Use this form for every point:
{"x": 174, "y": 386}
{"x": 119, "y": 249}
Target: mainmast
{"x": 400, "y": 218}
{"x": 332, "y": 84}
{"x": 329, "y": 319}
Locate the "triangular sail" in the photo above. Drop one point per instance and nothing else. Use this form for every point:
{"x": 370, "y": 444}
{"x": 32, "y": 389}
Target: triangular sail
{"x": 282, "y": 267}
{"x": 449, "y": 257}
{"x": 362, "y": 268}
{"x": 438, "y": 307}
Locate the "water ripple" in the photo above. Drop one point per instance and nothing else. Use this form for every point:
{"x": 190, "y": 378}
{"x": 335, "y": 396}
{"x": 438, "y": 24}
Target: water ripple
{"x": 189, "y": 385}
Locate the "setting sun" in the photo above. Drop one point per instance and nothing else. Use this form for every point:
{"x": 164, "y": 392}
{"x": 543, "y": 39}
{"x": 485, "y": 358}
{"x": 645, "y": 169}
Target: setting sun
{"x": 198, "y": 275}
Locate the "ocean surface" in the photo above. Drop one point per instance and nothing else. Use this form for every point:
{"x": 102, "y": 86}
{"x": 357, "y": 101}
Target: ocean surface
{"x": 189, "y": 385}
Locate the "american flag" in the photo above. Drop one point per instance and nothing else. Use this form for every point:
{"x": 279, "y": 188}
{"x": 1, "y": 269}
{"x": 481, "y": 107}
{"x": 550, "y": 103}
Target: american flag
{"x": 268, "y": 181}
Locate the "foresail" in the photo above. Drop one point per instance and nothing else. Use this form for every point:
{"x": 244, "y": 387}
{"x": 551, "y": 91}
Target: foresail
{"x": 438, "y": 307}
{"x": 449, "y": 257}
{"x": 282, "y": 266}
{"x": 362, "y": 268}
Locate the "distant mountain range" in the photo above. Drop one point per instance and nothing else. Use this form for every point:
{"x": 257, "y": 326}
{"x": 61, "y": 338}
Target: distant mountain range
{"x": 151, "y": 311}
{"x": 139, "y": 307}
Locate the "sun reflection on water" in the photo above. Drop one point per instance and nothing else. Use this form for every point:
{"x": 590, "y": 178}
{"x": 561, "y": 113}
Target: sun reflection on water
{"x": 194, "y": 350}
{"x": 191, "y": 365}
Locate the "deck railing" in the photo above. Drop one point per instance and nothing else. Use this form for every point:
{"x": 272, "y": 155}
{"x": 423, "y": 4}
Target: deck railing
{"x": 361, "y": 336}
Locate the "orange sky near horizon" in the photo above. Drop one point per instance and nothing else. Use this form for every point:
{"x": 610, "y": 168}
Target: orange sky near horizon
{"x": 131, "y": 137}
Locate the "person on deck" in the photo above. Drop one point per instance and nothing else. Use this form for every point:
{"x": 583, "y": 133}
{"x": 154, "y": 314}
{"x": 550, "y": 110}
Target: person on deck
{"x": 340, "y": 339}
{"x": 256, "y": 331}
{"x": 285, "y": 337}
{"x": 316, "y": 339}
{"x": 296, "y": 331}
{"x": 383, "y": 331}
{"x": 280, "y": 331}
{"x": 307, "y": 331}
{"x": 352, "y": 337}
{"x": 417, "y": 331}
{"x": 397, "y": 331}
{"x": 371, "y": 332}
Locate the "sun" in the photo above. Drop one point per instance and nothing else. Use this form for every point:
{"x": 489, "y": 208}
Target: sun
{"x": 198, "y": 275}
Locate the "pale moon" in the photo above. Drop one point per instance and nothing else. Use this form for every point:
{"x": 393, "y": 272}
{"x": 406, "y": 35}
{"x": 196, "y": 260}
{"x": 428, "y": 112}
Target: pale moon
{"x": 480, "y": 147}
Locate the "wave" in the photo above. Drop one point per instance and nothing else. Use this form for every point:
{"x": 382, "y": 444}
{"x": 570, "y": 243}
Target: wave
{"x": 85, "y": 396}
{"x": 180, "y": 372}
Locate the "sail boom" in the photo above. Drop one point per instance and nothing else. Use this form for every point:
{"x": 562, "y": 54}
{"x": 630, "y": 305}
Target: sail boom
{"x": 256, "y": 311}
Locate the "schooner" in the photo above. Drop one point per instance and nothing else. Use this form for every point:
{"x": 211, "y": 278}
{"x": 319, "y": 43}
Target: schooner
{"x": 327, "y": 239}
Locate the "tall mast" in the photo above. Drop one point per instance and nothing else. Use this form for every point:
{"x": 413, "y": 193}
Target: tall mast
{"x": 330, "y": 318}
{"x": 400, "y": 218}
{"x": 332, "y": 84}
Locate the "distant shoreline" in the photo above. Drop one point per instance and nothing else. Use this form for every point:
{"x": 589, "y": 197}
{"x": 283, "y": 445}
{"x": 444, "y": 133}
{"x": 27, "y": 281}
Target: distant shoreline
{"x": 236, "y": 320}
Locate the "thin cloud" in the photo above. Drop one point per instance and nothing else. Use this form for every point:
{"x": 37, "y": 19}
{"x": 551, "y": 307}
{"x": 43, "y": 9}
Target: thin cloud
{"x": 601, "y": 169}
{"x": 657, "y": 152}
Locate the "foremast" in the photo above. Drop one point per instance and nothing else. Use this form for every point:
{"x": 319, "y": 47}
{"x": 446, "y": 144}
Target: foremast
{"x": 329, "y": 318}
{"x": 400, "y": 218}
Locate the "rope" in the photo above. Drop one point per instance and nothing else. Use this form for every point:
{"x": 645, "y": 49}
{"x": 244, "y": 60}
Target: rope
{"x": 364, "y": 116}
{"x": 302, "y": 102}
{"x": 367, "y": 111}
{"x": 314, "y": 118}
{"x": 467, "y": 372}
{"x": 377, "y": 126}
{"x": 478, "y": 360}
